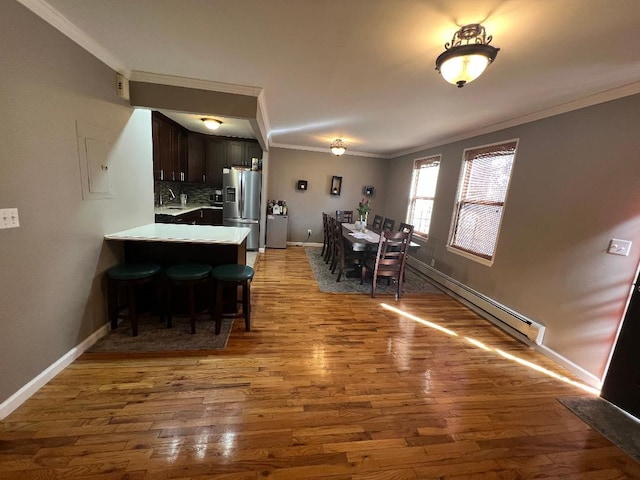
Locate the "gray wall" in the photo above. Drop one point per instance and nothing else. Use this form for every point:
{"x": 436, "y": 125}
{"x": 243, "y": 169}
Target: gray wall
{"x": 52, "y": 292}
{"x": 575, "y": 185}
{"x": 305, "y": 208}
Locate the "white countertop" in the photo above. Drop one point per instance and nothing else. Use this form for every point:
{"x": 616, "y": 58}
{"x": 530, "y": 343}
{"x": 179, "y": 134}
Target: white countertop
{"x": 176, "y": 209}
{"x": 180, "y": 233}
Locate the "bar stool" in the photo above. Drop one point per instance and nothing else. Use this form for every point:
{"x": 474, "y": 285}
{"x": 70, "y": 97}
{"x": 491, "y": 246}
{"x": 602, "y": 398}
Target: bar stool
{"x": 238, "y": 275}
{"x": 188, "y": 276}
{"x": 129, "y": 276}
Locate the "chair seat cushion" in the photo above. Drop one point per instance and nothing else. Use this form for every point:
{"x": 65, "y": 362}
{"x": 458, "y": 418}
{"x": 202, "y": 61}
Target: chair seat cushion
{"x": 232, "y": 273}
{"x": 133, "y": 271}
{"x": 188, "y": 271}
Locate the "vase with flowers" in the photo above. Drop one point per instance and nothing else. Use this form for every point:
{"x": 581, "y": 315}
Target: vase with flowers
{"x": 363, "y": 212}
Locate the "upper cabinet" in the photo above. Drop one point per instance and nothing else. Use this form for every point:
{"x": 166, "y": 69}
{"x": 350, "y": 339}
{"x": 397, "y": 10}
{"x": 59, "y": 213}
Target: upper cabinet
{"x": 184, "y": 156}
{"x": 169, "y": 149}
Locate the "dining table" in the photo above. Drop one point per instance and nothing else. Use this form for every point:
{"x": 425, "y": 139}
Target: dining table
{"x": 367, "y": 240}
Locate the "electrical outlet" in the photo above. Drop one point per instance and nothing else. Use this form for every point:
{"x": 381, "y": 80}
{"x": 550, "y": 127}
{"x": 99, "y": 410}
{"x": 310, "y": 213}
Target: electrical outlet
{"x": 9, "y": 218}
{"x": 433, "y": 262}
{"x": 309, "y": 233}
{"x": 619, "y": 247}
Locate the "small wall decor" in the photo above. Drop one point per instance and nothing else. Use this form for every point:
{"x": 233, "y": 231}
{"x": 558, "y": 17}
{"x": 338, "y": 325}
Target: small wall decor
{"x": 336, "y": 185}
{"x": 302, "y": 185}
{"x": 367, "y": 191}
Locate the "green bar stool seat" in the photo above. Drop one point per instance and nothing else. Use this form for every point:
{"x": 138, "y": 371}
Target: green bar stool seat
{"x": 238, "y": 275}
{"x": 188, "y": 276}
{"x": 128, "y": 276}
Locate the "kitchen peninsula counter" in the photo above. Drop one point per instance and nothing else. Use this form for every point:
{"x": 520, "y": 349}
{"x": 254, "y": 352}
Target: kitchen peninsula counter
{"x": 179, "y": 233}
{"x": 171, "y": 244}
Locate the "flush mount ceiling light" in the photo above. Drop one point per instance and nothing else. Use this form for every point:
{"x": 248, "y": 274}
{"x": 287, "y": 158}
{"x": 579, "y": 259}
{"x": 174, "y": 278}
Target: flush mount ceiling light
{"x": 338, "y": 147}
{"x": 467, "y": 56}
{"x": 212, "y": 123}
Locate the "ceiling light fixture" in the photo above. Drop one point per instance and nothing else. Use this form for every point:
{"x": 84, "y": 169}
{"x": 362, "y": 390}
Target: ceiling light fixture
{"x": 338, "y": 147}
{"x": 212, "y": 123}
{"x": 467, "y": 56}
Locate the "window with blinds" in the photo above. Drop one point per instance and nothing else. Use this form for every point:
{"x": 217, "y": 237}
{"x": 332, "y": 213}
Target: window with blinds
{"x": 482, "y": 192}
{"x": 423, "y": 192}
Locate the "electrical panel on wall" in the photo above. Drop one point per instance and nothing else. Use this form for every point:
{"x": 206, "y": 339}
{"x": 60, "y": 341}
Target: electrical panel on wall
{"x": 94, "y": 147}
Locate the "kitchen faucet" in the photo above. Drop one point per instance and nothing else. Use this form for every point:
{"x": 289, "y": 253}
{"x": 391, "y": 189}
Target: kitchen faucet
{"x": 173, "y": 196}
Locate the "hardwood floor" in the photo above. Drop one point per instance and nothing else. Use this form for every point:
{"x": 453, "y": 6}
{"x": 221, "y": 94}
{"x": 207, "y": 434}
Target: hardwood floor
{"x": 328, "y": 386}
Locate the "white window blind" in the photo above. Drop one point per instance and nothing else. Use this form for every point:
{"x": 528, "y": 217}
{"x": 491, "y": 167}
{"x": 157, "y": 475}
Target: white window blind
{"x": 482, "y": 192}
{"x": 423, "y": 192}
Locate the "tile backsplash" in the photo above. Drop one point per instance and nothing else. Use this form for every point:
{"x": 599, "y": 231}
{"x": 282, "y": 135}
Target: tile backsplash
{"x": 196, "y": 193}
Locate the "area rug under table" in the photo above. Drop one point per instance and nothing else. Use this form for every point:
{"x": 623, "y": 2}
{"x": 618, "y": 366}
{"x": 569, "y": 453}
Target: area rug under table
{"x": 154, "y": 336}
{"x": 327, "y": 280}
{"x": 618, "y": 427}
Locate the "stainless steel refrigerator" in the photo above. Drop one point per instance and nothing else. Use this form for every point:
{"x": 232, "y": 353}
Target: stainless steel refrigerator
{"x": 241, "y": 202}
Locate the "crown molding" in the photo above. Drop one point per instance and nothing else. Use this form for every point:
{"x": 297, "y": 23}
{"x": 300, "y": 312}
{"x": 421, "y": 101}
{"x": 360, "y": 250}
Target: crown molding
{"x": 176, "y": 81}
{"x": 326, "y": 150}
{"x": 62, "y": 24}
{"x": 588, "y": 101}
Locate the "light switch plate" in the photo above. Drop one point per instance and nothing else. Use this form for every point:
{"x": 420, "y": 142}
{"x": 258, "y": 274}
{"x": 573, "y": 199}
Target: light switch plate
{"x": 619, "y": 247}
{"x": 9, "y": 218}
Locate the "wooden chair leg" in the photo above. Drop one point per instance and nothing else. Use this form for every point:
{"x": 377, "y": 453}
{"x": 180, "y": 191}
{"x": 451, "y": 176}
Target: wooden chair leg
{"x": 192, "y": 307}
{"x": 169, "y": 305}
{"x": 219, "y": 287}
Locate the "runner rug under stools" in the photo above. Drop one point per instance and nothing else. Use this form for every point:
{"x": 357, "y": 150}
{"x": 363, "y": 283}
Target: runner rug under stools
{"x": 327, "y": 280}
{"x": 619, "y": 428}
{"x": 154, "y": 336}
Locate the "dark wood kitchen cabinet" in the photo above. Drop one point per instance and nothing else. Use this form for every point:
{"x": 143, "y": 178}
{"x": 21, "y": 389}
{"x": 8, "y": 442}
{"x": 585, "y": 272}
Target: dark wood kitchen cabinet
{"x": 253, "y": 151}
{"x": 196, "y": 172}
{"x": 169, "y": 149}
{"x": 215, "y": 160}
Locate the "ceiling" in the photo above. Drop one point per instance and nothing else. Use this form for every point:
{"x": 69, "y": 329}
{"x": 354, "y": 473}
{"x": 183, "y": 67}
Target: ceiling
{"x": 363, "y": 70}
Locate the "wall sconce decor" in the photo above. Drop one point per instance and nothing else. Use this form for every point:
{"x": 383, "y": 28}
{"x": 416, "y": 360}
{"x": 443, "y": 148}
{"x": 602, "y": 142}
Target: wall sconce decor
{"x": 367, "y": 191}
{"x": 336, "y": 185}
{"x": 338, "y": 147}
{"x": 467, "y": 56}
{"x": 302, "y": 185}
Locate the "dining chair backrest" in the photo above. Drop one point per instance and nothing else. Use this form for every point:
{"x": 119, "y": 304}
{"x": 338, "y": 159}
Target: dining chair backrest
{"x": 405, "y": 227}
{"x": 325, "y": 233}
{"x": 377, "y": 223}
{"x": 391, "y": 258}
{"x": 345, "y": 216}
{"x": 388, "y": 224}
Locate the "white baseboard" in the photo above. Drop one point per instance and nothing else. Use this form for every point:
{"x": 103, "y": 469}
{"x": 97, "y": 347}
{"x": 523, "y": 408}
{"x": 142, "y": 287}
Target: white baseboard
{"x": 304, "y": 244}
{"x": 22, "y": 395}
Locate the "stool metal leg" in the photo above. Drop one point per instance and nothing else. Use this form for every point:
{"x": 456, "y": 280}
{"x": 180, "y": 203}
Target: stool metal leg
{"x": 246, "y": 305}
{"x": 112, "y": 300}
{"x": 133, "y": 314}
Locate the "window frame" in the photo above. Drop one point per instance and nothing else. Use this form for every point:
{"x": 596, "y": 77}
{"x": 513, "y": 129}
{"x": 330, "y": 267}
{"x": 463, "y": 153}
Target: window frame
{"x": 467, "y": 157}
{"x": 430, "y": 161}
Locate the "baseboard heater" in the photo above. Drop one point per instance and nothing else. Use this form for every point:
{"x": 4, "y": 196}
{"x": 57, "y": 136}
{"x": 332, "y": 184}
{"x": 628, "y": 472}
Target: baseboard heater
{"x": 506, "y": 318}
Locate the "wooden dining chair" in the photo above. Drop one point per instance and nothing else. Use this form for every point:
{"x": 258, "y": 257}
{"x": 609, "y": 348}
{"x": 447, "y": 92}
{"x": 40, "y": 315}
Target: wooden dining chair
{"x": 389, "y": 261}
{"x": 405, "y": 227}
{"x": 388, "y": 224}
{"x": 325, "y": 233}
{"x": 376, "y": 226}
{"x": 344, "y": 216}
{"x": 330, "y": 253}
{"x": 344, "y": 254}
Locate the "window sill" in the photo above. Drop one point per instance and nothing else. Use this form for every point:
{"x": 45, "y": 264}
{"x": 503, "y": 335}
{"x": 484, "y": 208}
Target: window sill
{"x": 470, "y": 256}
